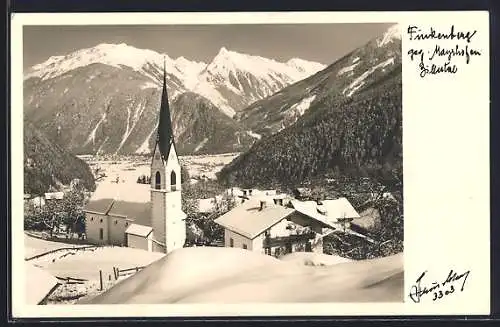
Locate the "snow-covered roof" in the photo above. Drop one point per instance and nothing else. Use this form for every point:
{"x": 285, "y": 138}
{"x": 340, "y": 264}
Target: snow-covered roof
{"x": 339, "y": 208}
{"x": 139, "y": 230}
{"x": 329, "y": 211}
{"x": 248, "y": 220}
{"x": 39, "y": 284}
{"x": 54, "y": 196}
{"x": 129, "y": 200}
{"x": 309, "y": 209}
{"x": 206, "y": 205}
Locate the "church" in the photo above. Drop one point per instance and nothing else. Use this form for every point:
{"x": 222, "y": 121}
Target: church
{"x": 148, "y": 217}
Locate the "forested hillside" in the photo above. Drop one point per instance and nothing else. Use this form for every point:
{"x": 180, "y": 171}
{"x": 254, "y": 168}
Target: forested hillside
{"x": 47, "y": 164}
{"x": 359, "y": 135}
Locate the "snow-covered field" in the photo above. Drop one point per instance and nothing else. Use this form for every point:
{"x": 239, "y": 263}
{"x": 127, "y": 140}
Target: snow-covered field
{"x": 34, "y": 246}
{"x": 86, "y": 264}
{"x": 231, "y": 275}
{"x": 130, "y": 168}
{"x": 81, "y": 264}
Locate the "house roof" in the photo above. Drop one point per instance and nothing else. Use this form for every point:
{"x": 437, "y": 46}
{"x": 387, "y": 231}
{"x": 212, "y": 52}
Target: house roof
{"x": 249, "y": 221}
{"x": 139, "y": 230}
{"x": 309, "y": 209}
{"x": 339, "y": 208}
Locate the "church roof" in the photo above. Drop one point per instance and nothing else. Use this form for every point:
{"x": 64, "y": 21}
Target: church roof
{"x": 139, "y": 230}
{"x": 165, "y": 137}
{"x": 129, "y": 200}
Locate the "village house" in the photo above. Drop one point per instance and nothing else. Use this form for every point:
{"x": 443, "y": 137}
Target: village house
{"x": 278, "y": 224}
{"x": 145, "y": 216}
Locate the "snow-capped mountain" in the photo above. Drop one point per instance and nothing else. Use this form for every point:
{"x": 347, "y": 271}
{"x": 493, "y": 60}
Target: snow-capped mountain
{"x": 231, "y": 81}
{"x": 235, "y": 80}
{"x": 105, "y": 98}
{"x": 343, "y": 79}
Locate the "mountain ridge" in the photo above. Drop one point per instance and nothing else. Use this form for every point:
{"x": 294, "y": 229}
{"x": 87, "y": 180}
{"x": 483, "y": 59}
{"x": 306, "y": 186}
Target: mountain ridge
{"x": 189, "y": 75}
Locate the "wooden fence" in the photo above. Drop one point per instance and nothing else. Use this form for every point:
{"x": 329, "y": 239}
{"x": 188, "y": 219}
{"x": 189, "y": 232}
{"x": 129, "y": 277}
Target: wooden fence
{"x": 117, "y": 273}
{"x": 76, "y": 248}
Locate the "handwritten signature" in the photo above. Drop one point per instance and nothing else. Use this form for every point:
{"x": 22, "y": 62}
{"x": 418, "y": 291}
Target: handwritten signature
{"x": 438, "y": 290}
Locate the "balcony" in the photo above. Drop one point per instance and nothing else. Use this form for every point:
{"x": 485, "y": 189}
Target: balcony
{"x": 287, "y": 240}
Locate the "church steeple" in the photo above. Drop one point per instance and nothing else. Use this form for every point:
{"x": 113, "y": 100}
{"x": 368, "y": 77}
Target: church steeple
{"x": 165, "y": 137}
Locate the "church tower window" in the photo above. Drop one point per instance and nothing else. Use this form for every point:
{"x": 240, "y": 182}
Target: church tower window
{"x": 157, "y": 180}
{"x": 173, "y": 180}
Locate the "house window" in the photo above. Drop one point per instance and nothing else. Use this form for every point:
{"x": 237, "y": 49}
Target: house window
{"x": 231, "y": 242}
{"x": 116, "y": 222}
{"x": 173, "y": 180}
{"x": 157, "y": 180}
{"x": 126, "y": 223}
{"x": 100, "y": 220}
{"x": 245, "y": 246}
{"x": 101, "y": 233}
{"x": 91, "y": 218}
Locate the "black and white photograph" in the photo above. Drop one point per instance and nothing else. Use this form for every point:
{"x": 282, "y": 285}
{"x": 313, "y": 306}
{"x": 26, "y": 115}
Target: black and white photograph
{"x": 250, "y": 164}
{"x": 172, "y": 164}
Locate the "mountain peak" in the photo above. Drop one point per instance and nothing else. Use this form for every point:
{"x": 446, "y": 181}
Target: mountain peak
{"x": 391, "y": 34}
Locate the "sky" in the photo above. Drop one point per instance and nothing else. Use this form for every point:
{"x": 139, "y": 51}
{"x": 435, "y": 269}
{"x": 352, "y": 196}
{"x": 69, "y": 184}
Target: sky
{"x": 323, "y": 43}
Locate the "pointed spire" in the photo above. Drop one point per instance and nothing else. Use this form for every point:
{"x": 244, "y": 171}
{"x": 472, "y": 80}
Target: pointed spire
{"x": 165, "y": 132}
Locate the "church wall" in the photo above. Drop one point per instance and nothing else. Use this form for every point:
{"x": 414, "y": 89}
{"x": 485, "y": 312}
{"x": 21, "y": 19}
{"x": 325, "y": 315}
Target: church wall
{"x": 93, "y": 224}
{"x": 137, "y": 242}
{"x": 117, "y": 227}
{"x": 158, "y": 212}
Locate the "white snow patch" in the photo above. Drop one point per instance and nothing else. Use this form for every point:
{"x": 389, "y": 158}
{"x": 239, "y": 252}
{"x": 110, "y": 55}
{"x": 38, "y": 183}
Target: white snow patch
{"x": 254, "y": 135}
{"x": 359, "y": 81}
{"x": 144, "y": 148}
{"x": 303, "y": 105}
{"x": 201, "y": 144}
{"x": 65, "y": 90}
{"x": 131, "y": 122}
{"x": 347, "y": 69}
{"x": 394, "y": 32}
{"x": 92, "y": 133}
{"x": 355, "y": 60}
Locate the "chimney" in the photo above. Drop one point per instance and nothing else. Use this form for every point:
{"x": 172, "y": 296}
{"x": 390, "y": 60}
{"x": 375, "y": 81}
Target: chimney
{"x": 280, "y": 201}
{"x": 262, "y": 205}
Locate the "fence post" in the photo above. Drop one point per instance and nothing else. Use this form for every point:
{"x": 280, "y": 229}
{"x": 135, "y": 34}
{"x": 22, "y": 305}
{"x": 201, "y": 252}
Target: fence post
{"x": 100, "y": 279}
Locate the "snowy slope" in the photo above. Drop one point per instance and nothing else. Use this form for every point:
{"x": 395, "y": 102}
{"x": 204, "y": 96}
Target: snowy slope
{"x": 233, "y": 80}
{"x": 343, "y": 78}
{"x": 231, "y": 275}
{"x": 116, "y": 55}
